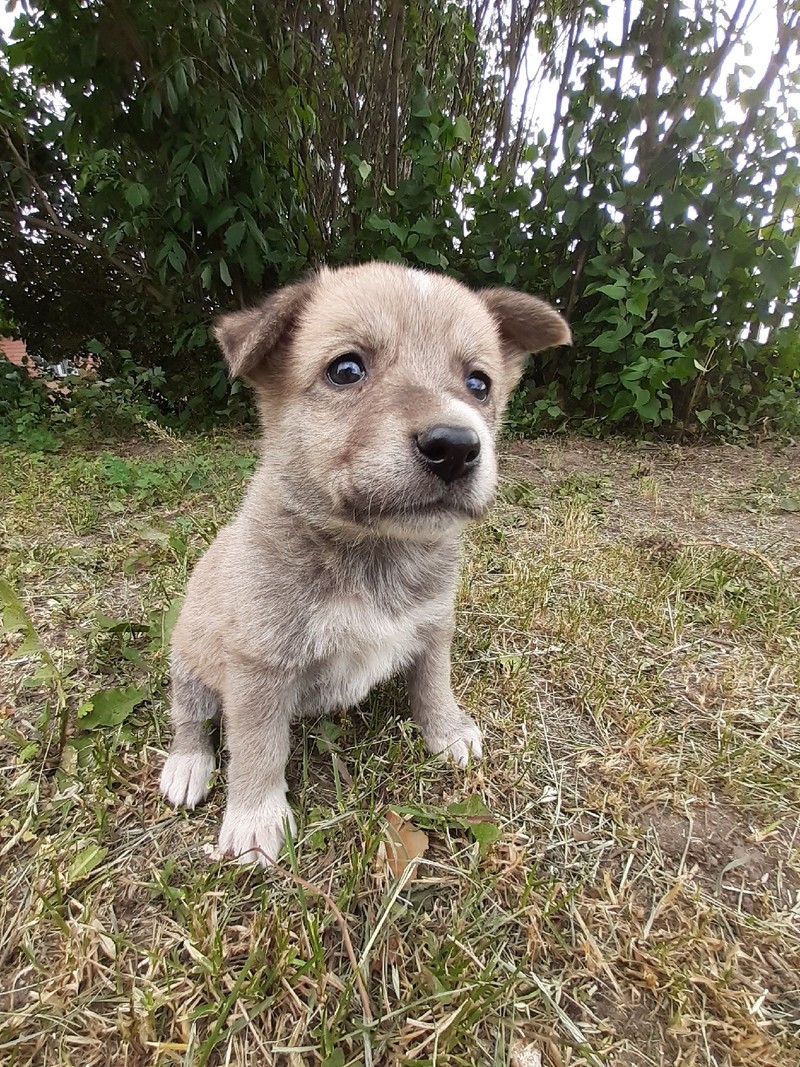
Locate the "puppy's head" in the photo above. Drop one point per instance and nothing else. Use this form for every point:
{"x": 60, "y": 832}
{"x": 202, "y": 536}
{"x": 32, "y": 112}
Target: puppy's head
{"x": 381, "y": 390}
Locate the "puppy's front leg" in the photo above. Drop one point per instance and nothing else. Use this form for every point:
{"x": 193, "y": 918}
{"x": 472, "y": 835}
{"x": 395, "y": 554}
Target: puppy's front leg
{"x": 258, "y": 712}
{"x": 447, "y": 730}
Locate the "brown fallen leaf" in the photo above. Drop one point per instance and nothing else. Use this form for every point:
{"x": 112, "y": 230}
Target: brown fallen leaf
{"x": 404, "y": 843}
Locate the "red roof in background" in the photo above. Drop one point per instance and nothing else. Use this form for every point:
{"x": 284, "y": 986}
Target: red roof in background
{"x": 15, "y": 353}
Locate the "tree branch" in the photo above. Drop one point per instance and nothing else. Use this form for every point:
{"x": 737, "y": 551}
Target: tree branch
{"x": 91, "y": 246}
{"x": 626, "y": 29}
{"x": 787, "y": 36}
{"x": 575, "y": 28}
{"x": 395, "y": 47}
{"x": 54, "y": 225}
{"x": 706, "y": 82}
{"x": 41, "y": 195}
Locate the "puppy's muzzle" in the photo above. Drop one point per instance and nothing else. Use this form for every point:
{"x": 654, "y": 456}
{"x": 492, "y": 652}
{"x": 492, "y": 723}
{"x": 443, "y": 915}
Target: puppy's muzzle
{"x": 449, "y": 452}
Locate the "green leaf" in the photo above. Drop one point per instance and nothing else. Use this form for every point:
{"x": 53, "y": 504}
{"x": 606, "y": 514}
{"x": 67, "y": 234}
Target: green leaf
{"x": 420, "y": 106}
{"x": 85, "y": 862}
{"x": 428, "y": 256}
{"x": 635, "y": 371}
{"x": 647, "y": 406}
{"x": 181, "y": 84}
{"x": 425, "y": 226}
{"x": 196, "y": 183}
{"x": 235, "y": 120}
{"x": 14, "y": 616}
{"x": 119, "y": 626}
{"x": 665, "y": 338}
{"x": 400, "y": 232}
{"x": 137, "y": 195}
{"x": 774, "y": 273}
{"x": 473, "y": 805}
{"x": 623, "y": 405}
{"x": 616, "y": 292}
{"x": 172, "y": 96}
{"x": 474, "y": 816}
{"x": 607, "y": 341}
{"x": 375, "y": 222}
{"x": 462, "y": 130}
{"x": 109, "y": 707}
{"x": 224, "y": 273}
{"x": 177, "y": 258}
{"x": 364, "y": 169}
{"x": 637, "y": 305}
{"x": 219, "y": 217}
{"x": 721, "y": 262}
{"x": 485, "y": 833}
{"x": 168, "y": 620}
{"x": 234, "y": 235}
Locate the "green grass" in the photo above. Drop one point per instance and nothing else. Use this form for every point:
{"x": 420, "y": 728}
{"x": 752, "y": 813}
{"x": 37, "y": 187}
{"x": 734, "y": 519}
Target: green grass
{"x": 617, "y": 883}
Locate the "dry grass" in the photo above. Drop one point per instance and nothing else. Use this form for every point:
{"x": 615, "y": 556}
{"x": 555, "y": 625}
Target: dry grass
{"x": 630, "y": 632}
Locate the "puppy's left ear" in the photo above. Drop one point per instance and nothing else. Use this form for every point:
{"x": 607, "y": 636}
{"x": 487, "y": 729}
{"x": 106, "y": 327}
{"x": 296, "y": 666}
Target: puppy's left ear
{"x": 248, "y": 338}
{"x": 526, "y": 324}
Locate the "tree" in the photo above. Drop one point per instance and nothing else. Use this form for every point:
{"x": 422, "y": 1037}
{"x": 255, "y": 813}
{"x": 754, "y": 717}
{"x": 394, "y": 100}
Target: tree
{"x": 168, "y": 160}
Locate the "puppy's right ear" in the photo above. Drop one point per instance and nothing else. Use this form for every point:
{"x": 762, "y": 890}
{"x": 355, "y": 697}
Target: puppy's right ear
{"x": 247, "y": 338}
{"x": 525, "y": 324}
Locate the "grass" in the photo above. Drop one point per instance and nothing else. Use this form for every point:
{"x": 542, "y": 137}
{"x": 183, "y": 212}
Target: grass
{"x": 617, "y": 883}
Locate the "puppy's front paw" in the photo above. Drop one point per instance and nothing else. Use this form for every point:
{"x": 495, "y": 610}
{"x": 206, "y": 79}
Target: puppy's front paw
{"x": 247, "y": 830}
{"x": 186, "y": 776}
{"x": 458, "y": 739}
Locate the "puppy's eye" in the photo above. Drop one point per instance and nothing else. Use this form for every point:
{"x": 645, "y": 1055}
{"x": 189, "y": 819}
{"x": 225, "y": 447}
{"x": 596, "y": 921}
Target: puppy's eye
{"x": 479, "y": 385}
{"x": 346, "y": 370}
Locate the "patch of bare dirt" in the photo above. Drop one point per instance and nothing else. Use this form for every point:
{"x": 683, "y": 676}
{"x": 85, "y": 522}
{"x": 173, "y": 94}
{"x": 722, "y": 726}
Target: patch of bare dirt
{"x": 747, "y": 496}
{"x": 640, "y": 1030}
{"x": 144, "y": 448}
{"x": 725, "y": 855}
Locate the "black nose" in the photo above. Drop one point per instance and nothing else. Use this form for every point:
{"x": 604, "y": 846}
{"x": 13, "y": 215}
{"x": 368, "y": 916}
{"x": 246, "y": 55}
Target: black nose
{"x": 450, "y": 452}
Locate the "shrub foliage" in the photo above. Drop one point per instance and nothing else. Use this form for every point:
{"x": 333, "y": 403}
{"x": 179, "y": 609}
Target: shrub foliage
{"x": 161, "y": 162}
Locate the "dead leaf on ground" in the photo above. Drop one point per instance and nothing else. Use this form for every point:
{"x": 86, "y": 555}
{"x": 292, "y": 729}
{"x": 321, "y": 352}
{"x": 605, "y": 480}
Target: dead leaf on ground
{"x": 403, "y": 844}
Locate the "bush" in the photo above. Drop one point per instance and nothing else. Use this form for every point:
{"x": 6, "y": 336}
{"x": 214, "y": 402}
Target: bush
{"x": 266, "y": 139}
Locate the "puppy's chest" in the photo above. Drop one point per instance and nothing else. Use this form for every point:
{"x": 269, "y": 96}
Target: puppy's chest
{"x": 355, "y": 645}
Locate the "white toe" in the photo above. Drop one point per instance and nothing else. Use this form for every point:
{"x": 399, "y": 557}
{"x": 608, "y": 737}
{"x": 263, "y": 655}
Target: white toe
{"x": 255, "y": 835}
{"x": 186, "y": 776}
{"x": 459, "y": 742}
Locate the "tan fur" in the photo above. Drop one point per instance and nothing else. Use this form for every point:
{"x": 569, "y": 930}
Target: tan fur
{"x": 340, "y": 569}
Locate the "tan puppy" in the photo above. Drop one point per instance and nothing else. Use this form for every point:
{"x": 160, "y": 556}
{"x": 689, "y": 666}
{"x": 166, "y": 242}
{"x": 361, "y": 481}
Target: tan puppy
{"x": 381, "y": 390}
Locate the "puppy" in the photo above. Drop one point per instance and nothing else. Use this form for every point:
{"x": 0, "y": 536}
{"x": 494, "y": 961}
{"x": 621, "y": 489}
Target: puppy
{"x": 381, "y": 391}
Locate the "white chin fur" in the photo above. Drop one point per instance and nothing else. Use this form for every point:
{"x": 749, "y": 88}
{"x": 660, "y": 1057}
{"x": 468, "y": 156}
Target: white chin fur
{"x": 419, "y": 527}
